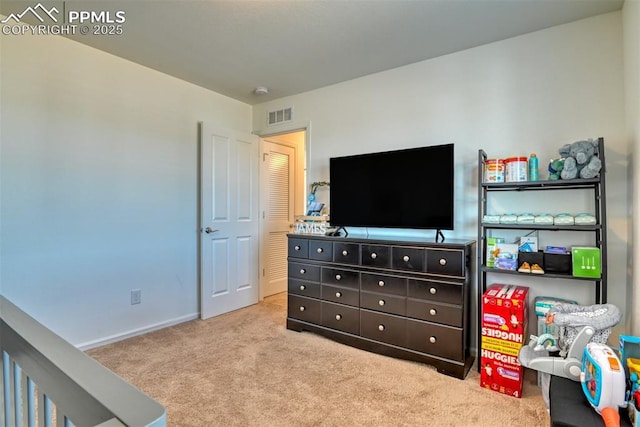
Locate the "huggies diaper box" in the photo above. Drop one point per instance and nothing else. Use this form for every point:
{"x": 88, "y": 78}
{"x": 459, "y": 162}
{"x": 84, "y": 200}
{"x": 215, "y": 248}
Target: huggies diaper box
{"x": 504, "y": 331}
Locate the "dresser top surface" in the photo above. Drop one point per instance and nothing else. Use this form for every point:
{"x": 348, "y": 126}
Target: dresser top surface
{"x": 398, "y": 240}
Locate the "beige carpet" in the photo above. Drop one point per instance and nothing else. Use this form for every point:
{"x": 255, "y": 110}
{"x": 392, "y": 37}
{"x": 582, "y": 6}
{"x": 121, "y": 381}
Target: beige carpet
{"x": 246, "y": 369}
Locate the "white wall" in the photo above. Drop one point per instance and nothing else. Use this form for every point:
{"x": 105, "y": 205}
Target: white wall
{"x": 99, "y": 158}
{"x": 531, "y": 93}
{"x": 631, "y": 23}
{"x": 99, "y": 188}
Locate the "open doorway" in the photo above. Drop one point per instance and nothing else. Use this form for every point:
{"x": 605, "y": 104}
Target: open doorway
{"x": 282, "y": 189}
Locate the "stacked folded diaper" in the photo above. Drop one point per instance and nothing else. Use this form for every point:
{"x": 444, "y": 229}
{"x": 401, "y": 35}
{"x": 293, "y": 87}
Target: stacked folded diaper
{"x": 585, "y": 219}
{"x": 543, "y": 219}
{"x": 540, "y": 219}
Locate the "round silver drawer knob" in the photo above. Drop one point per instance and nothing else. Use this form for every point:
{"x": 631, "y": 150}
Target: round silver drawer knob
{"x": 374, "y": 255}
{"x": 443, "y": 261}
{"x": 345, "y": 253}
{"x": 338, "y": 294}
{"x": 296, "y": 247}
{"x": 302, "y": 308}
{"x": 433, "y": 291}
{"x": 433, "y": 312}
{"x": 338, "y": 316}
{"x": 319, "y": 250}
{"x": 302, "y": 271}
{"x": 303, "y": 287}
{"x": 381, "y": 283}
{"x": 381, "y": 302}
{"x": 405, "y": 258}
{"x": 432, "y": 340}
{"x": 381, "y": 328}
{"x": 338, "y": 277}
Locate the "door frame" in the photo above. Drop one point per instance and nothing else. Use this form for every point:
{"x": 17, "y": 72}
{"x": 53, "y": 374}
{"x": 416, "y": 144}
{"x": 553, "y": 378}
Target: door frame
{"x": 298, "y": 206}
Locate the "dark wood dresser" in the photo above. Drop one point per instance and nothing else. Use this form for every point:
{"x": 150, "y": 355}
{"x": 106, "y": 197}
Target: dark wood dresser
{"x": 401, "y": 298}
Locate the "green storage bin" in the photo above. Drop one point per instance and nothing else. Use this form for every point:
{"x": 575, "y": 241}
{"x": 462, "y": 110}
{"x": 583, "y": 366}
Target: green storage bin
{"x": 586, "y": 262}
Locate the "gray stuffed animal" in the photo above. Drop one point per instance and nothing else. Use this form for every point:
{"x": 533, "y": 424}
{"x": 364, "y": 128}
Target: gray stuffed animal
{"x": 581, "y": 160}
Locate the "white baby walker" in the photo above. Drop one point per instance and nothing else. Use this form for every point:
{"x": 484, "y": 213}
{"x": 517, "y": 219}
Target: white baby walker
{"x": 578, "y": 326}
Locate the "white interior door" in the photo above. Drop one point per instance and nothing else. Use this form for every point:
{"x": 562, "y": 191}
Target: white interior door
{"x": 278, "y": 171}
{"x": 230, "y": 224}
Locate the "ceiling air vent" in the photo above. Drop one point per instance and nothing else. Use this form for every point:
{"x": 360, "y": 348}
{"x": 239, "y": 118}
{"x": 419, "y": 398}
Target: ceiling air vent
{"x": 279, "y": 116}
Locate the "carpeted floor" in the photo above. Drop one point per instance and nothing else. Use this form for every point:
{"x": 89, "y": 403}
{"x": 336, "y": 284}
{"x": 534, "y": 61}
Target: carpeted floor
{"x": 246, "y": 369}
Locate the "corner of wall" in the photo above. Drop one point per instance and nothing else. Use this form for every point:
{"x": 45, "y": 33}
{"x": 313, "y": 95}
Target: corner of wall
{"x": 631, "y": 42}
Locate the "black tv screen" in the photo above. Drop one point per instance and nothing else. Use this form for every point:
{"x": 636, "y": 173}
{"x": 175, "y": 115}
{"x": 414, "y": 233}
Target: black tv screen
{"x": 410, "y": 188}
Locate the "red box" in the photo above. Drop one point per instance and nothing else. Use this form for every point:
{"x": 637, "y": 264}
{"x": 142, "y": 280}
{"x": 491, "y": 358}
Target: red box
{"x": 504, "y": 330}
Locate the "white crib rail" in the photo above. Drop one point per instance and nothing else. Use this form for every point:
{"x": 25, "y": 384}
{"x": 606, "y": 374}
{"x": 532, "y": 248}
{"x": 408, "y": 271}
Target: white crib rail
{"x": 46, "y": 382}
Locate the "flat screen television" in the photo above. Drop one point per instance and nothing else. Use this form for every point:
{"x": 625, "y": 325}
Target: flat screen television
{"x": 411, "y": 188}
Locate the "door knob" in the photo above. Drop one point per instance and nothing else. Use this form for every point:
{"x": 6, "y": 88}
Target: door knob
{"x": 210, "y": 230}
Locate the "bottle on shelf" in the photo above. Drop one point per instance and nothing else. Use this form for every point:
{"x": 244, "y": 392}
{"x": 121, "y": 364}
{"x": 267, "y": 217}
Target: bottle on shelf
{"x": 533, "y": 167}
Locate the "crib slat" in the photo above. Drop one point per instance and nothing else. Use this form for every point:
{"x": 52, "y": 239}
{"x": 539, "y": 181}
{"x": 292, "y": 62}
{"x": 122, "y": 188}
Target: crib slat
{"x": 24, "y": 398}
{"x": 60, "y": 418}
{"x": 41, "y": 409}
{"x": 8, "y": 389}
{"x": 48, "y": 413}
{"x": 17, "y": 392}
{"x": 31, "y": 403}
{"x": 3, "y": 414}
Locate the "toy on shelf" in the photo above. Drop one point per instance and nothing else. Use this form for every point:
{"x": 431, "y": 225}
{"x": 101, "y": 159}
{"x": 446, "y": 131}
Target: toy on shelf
{"x": 629, "y": 347}
{"x": 633, "y": 399}
{"x": 578, "y": 326}
{"x": 603, "y": 381}
{"x": 633, "y": 395}
{"x": 634, "y": 365}
{"x": 580, "y": 160}
{"x": 555, "y": 168}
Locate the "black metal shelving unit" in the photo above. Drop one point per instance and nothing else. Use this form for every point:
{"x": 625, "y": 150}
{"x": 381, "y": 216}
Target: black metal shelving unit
{"x": 596, "y": 185}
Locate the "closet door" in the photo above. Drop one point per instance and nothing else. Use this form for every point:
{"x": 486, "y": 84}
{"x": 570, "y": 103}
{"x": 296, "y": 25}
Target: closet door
{"x": 278, "y": 174}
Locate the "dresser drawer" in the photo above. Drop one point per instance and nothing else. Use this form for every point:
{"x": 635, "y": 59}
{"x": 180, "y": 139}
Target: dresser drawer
{"x": 435, "y": 291}
{"x": 304, "y": 288}
{"x": 443, "y": 341}
{"x": 341, "y": 317}
{"x": 435, "y": 312}
{"x": 411, "y": 259}
{"x": 346, "y": 253}
{"x": 446, "y": 262}
{"x": 338, "y": 276}
{"x": 298, "y": 248}
{"x": 304, "y": 271}
{"x": 320, "y": 250}
{"x": 383, "y": 327}
{"x": 349, "y": 296}
{"x": 305, "y": 309}
{"x": 376, "y": 256}
{"x": 384, "y": 302}
{"x": 383, "y": 283}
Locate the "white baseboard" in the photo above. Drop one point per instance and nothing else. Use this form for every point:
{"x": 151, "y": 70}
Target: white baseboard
{"x": 135, "y": 332}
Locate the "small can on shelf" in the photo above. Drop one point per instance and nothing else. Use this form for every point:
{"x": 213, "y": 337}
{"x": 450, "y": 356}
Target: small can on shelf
{"x": 516, "y": 169}
{"x": 494, "y": 170}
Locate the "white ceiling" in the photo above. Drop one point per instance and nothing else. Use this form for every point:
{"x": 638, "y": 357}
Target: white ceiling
{"x": 291, "y": 46}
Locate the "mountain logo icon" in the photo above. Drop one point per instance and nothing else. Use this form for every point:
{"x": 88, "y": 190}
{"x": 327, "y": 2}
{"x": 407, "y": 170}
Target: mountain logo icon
{"x": 38, "y": 11}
